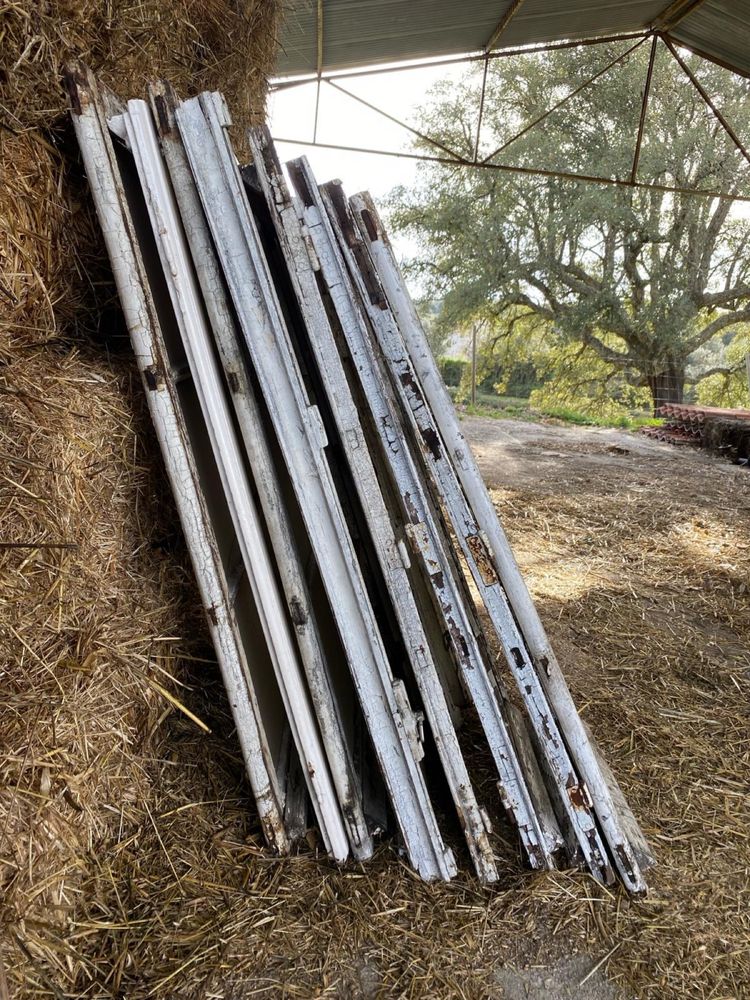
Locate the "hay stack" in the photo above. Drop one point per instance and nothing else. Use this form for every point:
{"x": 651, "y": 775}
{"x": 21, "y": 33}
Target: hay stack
{"x": 96, "y": 596}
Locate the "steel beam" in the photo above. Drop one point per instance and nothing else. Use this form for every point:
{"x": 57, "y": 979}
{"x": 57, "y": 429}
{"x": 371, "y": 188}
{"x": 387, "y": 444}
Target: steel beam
{"x": 674, "y": 13}
{"x": 397, "y": 121}
{"x": 707, "y": 99}
{"x": 563, "y": 100}
{"x": 513, "y": 8}
{"x": 524, "y": 171}
{"x": 282, "y": 83}
{"x": 644, "y": 109}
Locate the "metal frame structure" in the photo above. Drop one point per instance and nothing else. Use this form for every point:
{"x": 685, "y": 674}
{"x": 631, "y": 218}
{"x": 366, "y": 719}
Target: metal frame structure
{"x": 658, "y": 32}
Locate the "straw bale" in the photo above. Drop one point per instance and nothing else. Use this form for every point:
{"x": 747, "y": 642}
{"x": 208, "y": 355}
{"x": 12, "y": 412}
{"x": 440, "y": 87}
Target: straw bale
{"x": 97, "y": 602}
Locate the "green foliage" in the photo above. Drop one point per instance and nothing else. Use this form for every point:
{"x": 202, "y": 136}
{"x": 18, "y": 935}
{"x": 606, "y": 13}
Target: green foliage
{"x": 452, "y": 370}
{"x": 437, "y": 334}
{"x": 624, "y": 421}
{"x": 489, "y": 404}
{"x": 730, "y": 386}
{"x": 608, "y": 292}
{"x": 519, "y": 408}
{"x": 518, "y": 379}
{"x": 578, "y": 380}
{"x": 463, "y": 394}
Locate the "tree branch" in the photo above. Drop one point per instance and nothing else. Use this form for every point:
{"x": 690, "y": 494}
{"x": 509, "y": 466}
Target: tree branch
{"x": 714, "y": 299}
{"x": 718, "y": 370}
{"x": 717, "y": 325}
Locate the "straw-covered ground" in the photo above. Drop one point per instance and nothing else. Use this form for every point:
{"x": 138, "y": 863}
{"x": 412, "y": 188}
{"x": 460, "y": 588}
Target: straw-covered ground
{"x": 131, "y": 863}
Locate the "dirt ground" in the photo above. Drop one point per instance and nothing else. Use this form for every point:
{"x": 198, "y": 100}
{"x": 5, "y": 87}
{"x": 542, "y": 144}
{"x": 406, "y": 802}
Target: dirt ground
{"x": 637, "y": 554}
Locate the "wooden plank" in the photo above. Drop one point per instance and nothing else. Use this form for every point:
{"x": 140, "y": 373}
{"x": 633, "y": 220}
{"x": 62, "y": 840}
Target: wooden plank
{"x": 187, "y": 304}
{"x": 458, "y": 451}
{"x": 202, "y": 123}
{"x": 256, "y": 444}
{"x": 519, "y": 729}
{"x": 424, "y": 536}
{"x": 107, "y": 189}
{"x": 391, "y": 551}
{"x": 564, "y": 784}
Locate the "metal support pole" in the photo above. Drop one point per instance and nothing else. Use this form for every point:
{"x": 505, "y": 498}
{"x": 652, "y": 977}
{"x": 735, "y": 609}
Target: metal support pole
{"x": 397, "y": 121}
{"x": 509, "y": 168}
{"x": 644, "y": 109}
{"x": 704, "y": 94}
{"x": 319, "y": 66}
{"x": 574, "y": 93}
{"x": 671, "y": 16}
{"x": 481, "y": 110}
{"x": 505, "y": 20}
{"x": 280, "y": 83}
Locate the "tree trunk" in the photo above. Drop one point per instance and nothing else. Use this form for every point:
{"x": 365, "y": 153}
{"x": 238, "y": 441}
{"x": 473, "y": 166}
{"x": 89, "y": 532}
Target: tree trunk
{"x": 667, "y": 386}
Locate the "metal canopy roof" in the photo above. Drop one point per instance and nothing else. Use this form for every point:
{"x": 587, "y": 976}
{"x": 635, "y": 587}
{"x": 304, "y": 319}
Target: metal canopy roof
{"x": 319, "y": 36}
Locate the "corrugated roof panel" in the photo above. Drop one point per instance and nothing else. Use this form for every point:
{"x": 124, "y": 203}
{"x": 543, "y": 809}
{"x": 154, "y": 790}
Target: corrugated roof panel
{"x": 415, "y": 29}
{"x": 298, "y": 40}
{"x": 721, "y": 30}
{"x": 360, "y": 32}
{"x": 365, "y": 32}
{"x": 549, "y": 21}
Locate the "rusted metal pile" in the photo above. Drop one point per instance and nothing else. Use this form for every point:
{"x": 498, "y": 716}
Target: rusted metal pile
{"x": 333, "y": 510}
{"x": 725, "y": 432}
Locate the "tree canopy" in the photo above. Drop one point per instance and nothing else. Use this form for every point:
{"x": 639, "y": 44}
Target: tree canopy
{"x": 619, "y": 293}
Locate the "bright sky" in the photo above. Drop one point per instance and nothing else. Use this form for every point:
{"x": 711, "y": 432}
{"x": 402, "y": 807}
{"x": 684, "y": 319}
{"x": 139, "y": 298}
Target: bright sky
{"x": 342, "y": 120}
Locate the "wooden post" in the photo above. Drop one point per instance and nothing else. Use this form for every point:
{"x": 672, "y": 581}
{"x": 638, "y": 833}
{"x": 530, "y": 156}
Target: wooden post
{"x": 747, "y": 365}
{"x": 474, "y": 364}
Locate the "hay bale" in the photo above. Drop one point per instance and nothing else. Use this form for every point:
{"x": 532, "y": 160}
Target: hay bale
{"x": 96, "y": 594}
{"x": 728, "y": 437}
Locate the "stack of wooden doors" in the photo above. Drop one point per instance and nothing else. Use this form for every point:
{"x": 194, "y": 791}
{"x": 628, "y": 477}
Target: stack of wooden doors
{"x": 341, "y": 535}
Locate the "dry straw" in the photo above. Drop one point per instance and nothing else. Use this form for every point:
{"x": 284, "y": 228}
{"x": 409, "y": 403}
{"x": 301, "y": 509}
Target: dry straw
{"x": 131, "y": 863}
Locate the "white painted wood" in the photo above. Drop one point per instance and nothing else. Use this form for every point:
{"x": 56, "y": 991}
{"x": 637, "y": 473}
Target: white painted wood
{"x": 255, "y": 441}
{"x": 323, "y": 345}
{"x": 425, "y": 538}
{"x": 388, "y": 344}
{"x": 140, "y": 315}
{"x": 547, "y": 667}
{"x": 519, "y": 729}
{"x": 187, "y": 304}
{"x": 202, "y": 123}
